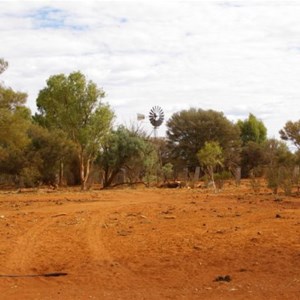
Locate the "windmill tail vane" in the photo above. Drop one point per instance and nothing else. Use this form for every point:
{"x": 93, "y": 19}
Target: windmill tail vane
{"x": 140, "y": 117}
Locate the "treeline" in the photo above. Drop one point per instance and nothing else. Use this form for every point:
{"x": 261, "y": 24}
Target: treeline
{"x": 71, "y": 140}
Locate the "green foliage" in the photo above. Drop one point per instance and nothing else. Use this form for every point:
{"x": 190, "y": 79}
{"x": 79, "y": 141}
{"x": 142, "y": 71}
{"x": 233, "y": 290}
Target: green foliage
{"x": 73, "y": 105}
{"x": 232, "y": 156}
{"x": 254, "y": 180}
{"x": 253, "y": 156}
{"x": 277, "y": 152}
{"x": 13, "y": 128}
{"x": 151, "y": 165}
{"x": 252, "y": 130}
{"x": 280, "y": 177}
{"x": 48, "y": 149}
{"x": 291, "y": 132}
{"x": 29, "y": 176}
{"x": 253, "y": 136}
{"x": 15, "y": 120}
{"x": 210, "y": 156}
{"x": 3, "y": 65}
{"x": 280, "y": 166}
{"x": 128, "y": 150}
{"x": 167, "y": 171}
{"x": 188, "y": 130}
{"x": 221, "y": 177}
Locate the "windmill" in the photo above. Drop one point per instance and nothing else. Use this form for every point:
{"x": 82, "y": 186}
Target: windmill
{"x": 156, "y": 117}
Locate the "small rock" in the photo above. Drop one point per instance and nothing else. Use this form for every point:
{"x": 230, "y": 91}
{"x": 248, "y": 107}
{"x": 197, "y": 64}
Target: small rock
{"x": 131, "y": 215}
{"x": 197, "y": 247}
{"x": 277, "y": 199}
{"x": 123, "y": 232}
{"x": 226, "y": 278}
{"x": 278, "y": 216}
{"x": 169, "y": 217}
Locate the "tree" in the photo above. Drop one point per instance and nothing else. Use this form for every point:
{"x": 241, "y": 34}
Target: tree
{"x": 252, "y": 158}
{"x": 167, "y": 171}
{"x": 124, "y": 150}
{"x": 15, "y": 119}
{"x": 280, "y": 165}
{"x": 47, "y": 150}
{"x": 13, "y": 141}
{"x": 73, "y": 105}
{"x": 253, "y": 135}
{"x": 291, "y": 132}
{"x": 210, "y": 156}
{"x": 3, "y": 65}
{"x": 188, "y": 130}
{"x": 252, "y": 130}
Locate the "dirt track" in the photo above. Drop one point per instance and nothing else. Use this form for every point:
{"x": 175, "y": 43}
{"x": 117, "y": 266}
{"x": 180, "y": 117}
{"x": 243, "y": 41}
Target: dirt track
{"x": 150, "y": 244}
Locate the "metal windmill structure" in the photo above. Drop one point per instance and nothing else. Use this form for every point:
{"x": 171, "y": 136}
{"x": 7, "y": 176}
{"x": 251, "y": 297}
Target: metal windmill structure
{"x": 156, "y": 118}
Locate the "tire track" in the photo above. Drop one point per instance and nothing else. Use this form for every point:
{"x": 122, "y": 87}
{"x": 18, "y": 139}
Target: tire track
{"x": 24, "y": 253}
{"x": 95, "y": 240}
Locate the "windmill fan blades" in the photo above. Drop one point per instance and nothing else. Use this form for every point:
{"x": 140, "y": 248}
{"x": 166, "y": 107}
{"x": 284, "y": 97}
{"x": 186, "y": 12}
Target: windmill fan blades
{"x": 156, "y": 116}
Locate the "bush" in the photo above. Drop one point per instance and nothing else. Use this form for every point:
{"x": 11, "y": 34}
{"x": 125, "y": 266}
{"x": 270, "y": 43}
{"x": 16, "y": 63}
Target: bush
{"x": 221, "y": 177}
{"x": 167, "y": 171}
{"x": 286, "y": 180}
{"x": 29, "y": 177}
{"x": 254, "y": 180}
{"x": 273, "y": 180}
{"x": 280, "y": 177}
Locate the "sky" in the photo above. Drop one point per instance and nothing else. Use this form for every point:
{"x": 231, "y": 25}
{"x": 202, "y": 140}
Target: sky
{"x": 233, "y": 56}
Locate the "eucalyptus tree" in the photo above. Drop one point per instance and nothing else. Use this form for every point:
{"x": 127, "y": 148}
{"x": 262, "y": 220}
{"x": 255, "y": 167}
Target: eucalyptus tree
{"x": 252, "y": 130}
{"x": 127, "y": 150}
{"x": 210, "y": 156}
{"x": 188, "y": 130}
{"x": 3, "y": 65}
{"x": 15, "y": 119}
{"x": 46, "y": 151}
{"x": 280, "y": 166}
{"x": 291, "y": 132}
{"x": 253, "y": 135}
{"x": 74, "y": 105}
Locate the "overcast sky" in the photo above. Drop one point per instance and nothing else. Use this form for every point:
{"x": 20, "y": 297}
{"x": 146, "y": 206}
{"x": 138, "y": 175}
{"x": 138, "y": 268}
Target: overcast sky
{"x": 231, "y": 56}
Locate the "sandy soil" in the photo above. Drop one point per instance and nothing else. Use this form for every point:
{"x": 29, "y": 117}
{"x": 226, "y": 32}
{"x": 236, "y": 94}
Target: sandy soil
{"x": 149, "y": 244}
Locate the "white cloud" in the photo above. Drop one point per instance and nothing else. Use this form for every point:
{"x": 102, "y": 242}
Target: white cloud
{"x": 232, "y": 56}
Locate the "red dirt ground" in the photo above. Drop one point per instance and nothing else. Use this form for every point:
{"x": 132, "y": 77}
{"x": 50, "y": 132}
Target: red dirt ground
{"x": 150, "y": 244}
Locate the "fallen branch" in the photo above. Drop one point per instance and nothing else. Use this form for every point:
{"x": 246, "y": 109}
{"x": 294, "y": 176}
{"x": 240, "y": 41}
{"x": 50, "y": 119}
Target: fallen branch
{"x": 59, "y": 215}
{"x": 55, "y": 274}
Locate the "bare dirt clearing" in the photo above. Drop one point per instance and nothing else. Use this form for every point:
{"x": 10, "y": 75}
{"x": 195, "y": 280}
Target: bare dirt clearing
{"x": 150, "y": 244}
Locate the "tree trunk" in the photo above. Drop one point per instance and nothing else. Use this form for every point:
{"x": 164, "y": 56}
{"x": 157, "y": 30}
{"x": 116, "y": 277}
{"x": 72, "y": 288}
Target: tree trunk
{"x": 85, "y": 167}
{"x": 211, "y": 173}
{"x": 61, "y": 173}
{"x": 108, "y": 179}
